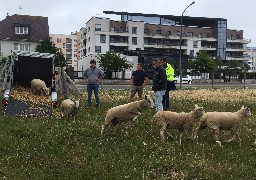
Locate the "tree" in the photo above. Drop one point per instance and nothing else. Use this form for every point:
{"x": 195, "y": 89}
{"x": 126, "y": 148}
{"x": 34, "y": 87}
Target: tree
{"x": 46, "y": 46}
{"x": 112, "y": 62}
{"x": 203, "y": 63}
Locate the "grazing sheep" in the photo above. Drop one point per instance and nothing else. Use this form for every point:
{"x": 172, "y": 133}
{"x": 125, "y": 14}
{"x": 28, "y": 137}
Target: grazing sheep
{"x": 38, "y": 87}
{"x": 174, "y": 120}
{"x": 126, "y": 112}
{"x": 69, "y": 107}
{"x": 223, "y": 121}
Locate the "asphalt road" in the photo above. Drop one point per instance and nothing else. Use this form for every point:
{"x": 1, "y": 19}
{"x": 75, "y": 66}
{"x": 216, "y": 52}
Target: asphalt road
{"x": 185, "y": 86}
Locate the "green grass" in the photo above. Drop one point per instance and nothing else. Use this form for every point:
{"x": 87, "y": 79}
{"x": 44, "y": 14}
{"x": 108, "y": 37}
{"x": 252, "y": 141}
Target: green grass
{"x": 67, "y": 148}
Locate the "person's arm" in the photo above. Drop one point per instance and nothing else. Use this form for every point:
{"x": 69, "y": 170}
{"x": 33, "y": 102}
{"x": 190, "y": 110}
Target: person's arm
{"x": 131, "y": 81}
{"x": 85, "y": 75}
{"x": 145, "y": 81}
{"x": 100, "y": 75}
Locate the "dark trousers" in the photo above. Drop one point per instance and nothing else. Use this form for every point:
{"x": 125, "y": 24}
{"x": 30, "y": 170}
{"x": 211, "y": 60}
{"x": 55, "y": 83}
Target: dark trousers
{"x": 166, "y": 96}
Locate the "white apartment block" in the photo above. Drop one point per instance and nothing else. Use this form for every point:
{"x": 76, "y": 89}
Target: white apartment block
{"x": 161, "y": 34}
{"x": 68, "y": 46}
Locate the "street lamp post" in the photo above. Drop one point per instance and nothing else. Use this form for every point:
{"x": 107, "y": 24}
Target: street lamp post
{"x": 180, "y": 70}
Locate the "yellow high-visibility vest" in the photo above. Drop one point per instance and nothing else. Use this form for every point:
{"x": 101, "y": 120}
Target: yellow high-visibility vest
{"x": 169, "y": 72}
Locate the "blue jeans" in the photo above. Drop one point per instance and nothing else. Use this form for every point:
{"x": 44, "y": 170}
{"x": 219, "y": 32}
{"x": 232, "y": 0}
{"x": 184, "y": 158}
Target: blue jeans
{"x": 95, "y": 88}
{"x": 159, "y": 99}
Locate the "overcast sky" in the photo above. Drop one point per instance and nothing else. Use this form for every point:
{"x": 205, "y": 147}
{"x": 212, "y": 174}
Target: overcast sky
{"x": 66, "y": 16}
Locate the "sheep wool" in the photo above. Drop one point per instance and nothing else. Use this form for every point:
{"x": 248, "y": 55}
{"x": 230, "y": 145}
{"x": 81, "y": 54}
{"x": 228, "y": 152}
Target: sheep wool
{"x": 69, "y": 107}
{"x": 38, "y": 87}
{"x": 223, "y": 121}
{"x": 174, "y": 120}
{"x": 126, "y": 112}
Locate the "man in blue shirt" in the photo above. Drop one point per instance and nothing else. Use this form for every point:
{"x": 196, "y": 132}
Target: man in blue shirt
{"x": 138, "y": 81}
{"x": 93, "y": 76}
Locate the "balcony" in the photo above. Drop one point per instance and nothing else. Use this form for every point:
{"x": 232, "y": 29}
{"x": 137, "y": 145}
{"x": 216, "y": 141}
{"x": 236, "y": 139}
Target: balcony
{"x": 239, "y": 58}
{"x": 208, "y": 48}
{"x": 165, "y": 46}
{"x": 235, "y": 49}
{"x": 118, "y": 43}
{"x": 243, "y": 41}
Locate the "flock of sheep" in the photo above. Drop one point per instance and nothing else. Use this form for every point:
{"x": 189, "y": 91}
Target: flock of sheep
{"x": 215, "y": 121}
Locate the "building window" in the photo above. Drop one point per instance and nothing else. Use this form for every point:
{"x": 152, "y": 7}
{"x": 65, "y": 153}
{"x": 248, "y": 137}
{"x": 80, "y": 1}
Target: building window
{"x": 190, "y": 34}
{"x": 178, "y": 33}
{"x": 97, "y": 27}
{"x": 89, "y": 29}
{"x": 134, "y": 30}
{"x": 146, "y": 31}
{"x": 58, "y": 40}
{"x": 195, "y": 43}
{"x": 191, "y": 53}
{"x": 21, "y": 30}
{"x": 89, "y": 49}
{"x": 16, "y": 46}
{"x": 102, "y": 38}
{"x": 97, "y": 49}
{"x": 158, "y": 31}
{"x": 89, "y": 39}
{"x": 134, "y": 40}
{"x": 200, "y": 35}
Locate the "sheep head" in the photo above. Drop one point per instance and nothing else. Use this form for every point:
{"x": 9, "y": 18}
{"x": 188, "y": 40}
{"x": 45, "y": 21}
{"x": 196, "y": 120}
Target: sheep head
{"x": 246, "y": 111}
{"x": 198, "y": 111}
{"x": 149, "y": 102}
{"x": 77, "y": 103}
{"x": 46, "y": 91}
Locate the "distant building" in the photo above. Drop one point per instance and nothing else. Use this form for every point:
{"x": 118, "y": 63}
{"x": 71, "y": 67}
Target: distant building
{"x": 252, "y": 55}
{"x": 68, "y": 46}
{"x": 22, "y": 32}
{"x": 160, "y": 34}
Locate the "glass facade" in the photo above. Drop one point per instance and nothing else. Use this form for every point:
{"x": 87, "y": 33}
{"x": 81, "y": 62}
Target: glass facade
{"x": 221, "y": 39}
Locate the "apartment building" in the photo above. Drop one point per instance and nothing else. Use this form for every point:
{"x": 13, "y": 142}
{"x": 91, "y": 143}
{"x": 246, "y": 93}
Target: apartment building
{"x": 161, "y": 34}
{"x": 68, "y": 46}
{"x": 252, "y": 55}
{"x": 22, "y": 33}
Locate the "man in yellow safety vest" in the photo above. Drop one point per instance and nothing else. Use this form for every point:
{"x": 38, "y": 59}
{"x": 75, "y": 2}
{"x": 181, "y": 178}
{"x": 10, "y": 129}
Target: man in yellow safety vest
{"x": 170, "y": 83}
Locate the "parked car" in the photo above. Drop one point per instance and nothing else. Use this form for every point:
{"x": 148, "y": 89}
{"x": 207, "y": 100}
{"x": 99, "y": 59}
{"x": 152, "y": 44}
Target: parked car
{"x": 186, "y": 79}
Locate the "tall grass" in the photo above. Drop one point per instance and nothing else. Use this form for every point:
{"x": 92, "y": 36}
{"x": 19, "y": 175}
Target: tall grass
{"x": 68, "y": 148}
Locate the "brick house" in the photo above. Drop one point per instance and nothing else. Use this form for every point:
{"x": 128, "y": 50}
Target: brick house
{"x": 22, "y": 32}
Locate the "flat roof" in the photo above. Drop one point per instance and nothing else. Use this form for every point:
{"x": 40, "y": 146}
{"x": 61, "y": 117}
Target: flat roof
{"x": 186, "y": 20}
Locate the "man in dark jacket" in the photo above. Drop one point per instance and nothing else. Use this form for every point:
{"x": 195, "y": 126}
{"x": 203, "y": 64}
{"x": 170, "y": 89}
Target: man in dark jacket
{"x": 159, "y": 84}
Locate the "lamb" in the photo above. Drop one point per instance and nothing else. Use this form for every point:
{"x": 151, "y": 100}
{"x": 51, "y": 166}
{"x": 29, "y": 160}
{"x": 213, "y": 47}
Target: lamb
{"x": 126, "y": 112}
{"x": 38, "y": 87}
{"x": 174, "y": 120}
{"x": 225, "y": 121}
{"x": 69, "y": 107}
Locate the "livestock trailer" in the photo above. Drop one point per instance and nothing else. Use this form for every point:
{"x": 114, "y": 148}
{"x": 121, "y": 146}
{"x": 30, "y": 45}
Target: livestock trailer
{"x": 22, "y": 68}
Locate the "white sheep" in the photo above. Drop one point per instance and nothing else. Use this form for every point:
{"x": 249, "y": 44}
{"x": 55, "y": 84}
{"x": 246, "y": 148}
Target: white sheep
{"x": 69, "y": 107}
{"x": 223, "y": 121}
{"x": 38, "y": 87}
{"x": 126, "y": 112}
{"x": 174, "y": 120}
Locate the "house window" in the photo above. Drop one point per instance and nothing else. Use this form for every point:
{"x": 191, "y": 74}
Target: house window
{"x": 195, "y": 43}
{"x": 97, "y": 49}
{"x": 58, "y": 40}
{"x": 21, "y": 30}
{"x": 97, "y": 27}
{"x": 21, "y": 47}
{"x": 89, "y": 29}
{"x": 134, "y": 30}
{"x": 89, "y": 49}
{"x": 89, "y": 39}
{"x": 102, "y": 38}
{"x": 134, "y": 40}
{"x": 16, "y": 46}
{"x": 200, "y": 35}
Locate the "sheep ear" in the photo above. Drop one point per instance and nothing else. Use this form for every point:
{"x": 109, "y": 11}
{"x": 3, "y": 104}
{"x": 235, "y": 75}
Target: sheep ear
{"x": 242, "y": 107}
{"x": 146, "y": 97}
{"x": 196, "y": 106}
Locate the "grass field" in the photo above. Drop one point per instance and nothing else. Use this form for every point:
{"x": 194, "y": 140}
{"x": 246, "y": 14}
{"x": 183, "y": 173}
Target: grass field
{"x": 67, "y": 148}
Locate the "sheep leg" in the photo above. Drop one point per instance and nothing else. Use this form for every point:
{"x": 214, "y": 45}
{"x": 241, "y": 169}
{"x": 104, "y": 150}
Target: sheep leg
{"x": 216, "y": 136}
{"x": 136, "y": 117}
{"x": 233, "y": 133}
{"x": 106, "y": 123}
{"x": 162, "y": 131}
{"x": 181, "y": 134}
